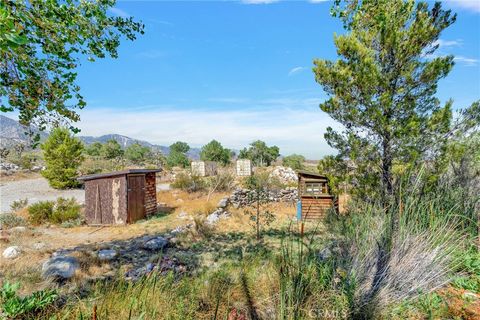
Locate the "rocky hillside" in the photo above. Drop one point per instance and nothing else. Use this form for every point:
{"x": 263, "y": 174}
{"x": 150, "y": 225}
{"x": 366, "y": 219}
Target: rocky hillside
{"x": 12, "y": 132}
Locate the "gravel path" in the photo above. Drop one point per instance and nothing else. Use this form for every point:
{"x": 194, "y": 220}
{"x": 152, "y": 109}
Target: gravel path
{"x": 34, "y": 190}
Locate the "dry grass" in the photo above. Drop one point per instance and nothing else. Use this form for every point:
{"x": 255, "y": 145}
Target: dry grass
{"x": 179, "y": 203}
{"x": 20, "y": 175}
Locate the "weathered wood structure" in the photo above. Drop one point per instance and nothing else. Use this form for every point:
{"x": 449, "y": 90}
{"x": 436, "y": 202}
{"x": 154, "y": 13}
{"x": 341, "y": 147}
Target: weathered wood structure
{"x": 314, "y": 196}
{"x": 244, "y": 167}
{"x": 120, "y": 197}
{"x": 204, "y": 168}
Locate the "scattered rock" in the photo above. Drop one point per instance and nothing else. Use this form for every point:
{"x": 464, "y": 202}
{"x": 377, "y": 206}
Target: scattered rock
{"x": 324, "y": 254}
{"x": 60, "y": 267}
{"x": 18, "y": 229}
{"x": 155, "y": 244}
{"x": 244, "y": 197}
{"x": 39, "y": 245}
{"x": 11, "y": 252}
{"x": 8, "y": 168}
{"x": 284, "y": 174}
{"x": 217, "y": 215}
{"x": 183, "y": 215}
{"x": 223, "y": 203}
{"x": 107, "y": 254}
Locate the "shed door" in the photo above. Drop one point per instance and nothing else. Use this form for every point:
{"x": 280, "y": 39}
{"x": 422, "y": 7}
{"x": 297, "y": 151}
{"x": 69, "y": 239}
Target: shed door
{"x": 136, "y": 197}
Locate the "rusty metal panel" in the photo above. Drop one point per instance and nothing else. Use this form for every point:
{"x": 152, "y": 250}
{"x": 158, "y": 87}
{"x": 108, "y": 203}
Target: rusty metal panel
{"x": 106, "y": 200}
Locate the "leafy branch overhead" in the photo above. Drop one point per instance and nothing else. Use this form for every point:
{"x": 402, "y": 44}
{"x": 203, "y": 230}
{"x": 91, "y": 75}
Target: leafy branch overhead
{"x": 41, "y": 45}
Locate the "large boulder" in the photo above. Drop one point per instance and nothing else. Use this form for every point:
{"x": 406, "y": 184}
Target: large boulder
{"x": 223, "y": 203}
{"x": 155, "y": 244}
{"x": 11, "y": 252}
{"x": 107, "y": 254}
{"x": 60, "y": 267}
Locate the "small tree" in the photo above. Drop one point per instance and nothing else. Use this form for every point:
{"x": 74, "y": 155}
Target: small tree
{"x": 137, "y": 153}
{"x": 294, "y": 161}
{"x": 260, "y": 185}
{"x": 177, "y": 155}
{"x": 95, "y": 149}
{"x": 112, "y": 149}
{"x": 260, "y": 154}
{"x": 63, "y": 155}
{"x": 214, "y": 151}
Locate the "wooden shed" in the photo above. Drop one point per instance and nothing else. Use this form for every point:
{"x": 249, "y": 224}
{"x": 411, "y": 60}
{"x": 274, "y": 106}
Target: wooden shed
{"x": 314, "y": 195}
{"x": 204, "y": 168}
{"x": 120, "y": 197}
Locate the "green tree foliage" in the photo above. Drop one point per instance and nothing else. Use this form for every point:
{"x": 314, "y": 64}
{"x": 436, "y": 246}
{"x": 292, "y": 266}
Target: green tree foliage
{"x": 382, "y": 88}
{"x": 260, "y": 154}
{"x": 94, "y": 149}
{"x": 112, "y": 149}
{"x": 137, "y": 153}
{"x": 180, "y": 146}
{"x": 63, "y": 155}
{"x": 41, "y": 43}
{"x": 214, "y": 151}
{"x": 177, "y": 156}
{"x": 294, "y": 161}
{"x": 336, "y": 170}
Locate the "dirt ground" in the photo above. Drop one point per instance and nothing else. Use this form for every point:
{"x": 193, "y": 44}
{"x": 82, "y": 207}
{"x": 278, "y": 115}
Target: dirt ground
{"x": 180, "y": 209}
{"x": 34, "y": 190}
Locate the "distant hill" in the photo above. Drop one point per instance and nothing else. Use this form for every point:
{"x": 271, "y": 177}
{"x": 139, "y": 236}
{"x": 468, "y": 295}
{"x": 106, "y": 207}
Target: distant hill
{"x": 12, "y": 132}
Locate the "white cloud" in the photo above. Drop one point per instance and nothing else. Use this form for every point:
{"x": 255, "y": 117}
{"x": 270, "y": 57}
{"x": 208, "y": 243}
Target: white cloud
{"x": 258, "y": 1}
{"x": 295, "y": 70}
{"x": 466, "y": 61}
{"x": 448, "y": 43}
{"x": 473, "y": 5}
{"x": 318, "y": 1}
{"x": 119, "y": 12}
{"x": 297, "y": 130}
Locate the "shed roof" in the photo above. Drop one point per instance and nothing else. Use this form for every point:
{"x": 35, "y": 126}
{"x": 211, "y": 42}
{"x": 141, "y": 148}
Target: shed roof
{"x": 117, "y": 173}
{"x": 312, "y": 174}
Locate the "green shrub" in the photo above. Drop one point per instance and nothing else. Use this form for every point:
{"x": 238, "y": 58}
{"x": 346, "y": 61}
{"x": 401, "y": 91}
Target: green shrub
{"x": 40, "y": 212}
{"x": 189, "y": 183}
{"x": 16, "y": 307}
{"x": 10, "y": 220}
{"x": 58, "y": 212}
{"x": 65, "y": 210}
{"x": 18, "y": 204}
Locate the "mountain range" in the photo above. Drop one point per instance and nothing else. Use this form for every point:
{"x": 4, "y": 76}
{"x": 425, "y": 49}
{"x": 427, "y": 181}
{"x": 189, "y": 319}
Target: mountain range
{"x": 12, "y": 132}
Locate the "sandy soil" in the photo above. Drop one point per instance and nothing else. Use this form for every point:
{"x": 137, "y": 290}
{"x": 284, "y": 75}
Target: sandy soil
{"x": 34, "y": 190}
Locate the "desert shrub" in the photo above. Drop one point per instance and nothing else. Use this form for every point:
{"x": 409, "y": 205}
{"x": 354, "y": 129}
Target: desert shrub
{"x": 65, "y": 210}
{"x": 24, "y": 160}
{"x": 222, "y": 182}
{"x": 188, "y": 182}
{"x": 40, "y": 212}
{"x": 10, "y": 220}
{"x": 58, "y": 212}
{"x": 294, "y": 161}
{"x": 28, "y": 307}
{"x": 18, "y": 204}
{"x": 63, "y": 156}
{"x": 201, "y": 229}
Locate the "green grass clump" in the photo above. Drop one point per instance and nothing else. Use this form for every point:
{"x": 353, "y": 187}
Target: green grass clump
{"x": 57, "y": 212}
{"x": 29, "y": 307}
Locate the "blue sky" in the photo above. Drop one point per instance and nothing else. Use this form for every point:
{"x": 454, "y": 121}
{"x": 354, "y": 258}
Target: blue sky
{"x": 239, "y": 71}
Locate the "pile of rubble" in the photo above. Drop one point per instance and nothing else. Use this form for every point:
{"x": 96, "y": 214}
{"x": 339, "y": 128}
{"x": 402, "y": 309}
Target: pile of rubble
{"x": 244, "y": 197}
{"x": 8, "y": 168}
{"x": 284, "y": 174}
